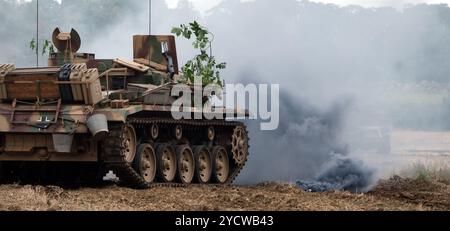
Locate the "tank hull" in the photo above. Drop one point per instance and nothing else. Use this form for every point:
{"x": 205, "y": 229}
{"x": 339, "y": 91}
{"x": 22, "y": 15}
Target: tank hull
{"x": 28, "y": 148}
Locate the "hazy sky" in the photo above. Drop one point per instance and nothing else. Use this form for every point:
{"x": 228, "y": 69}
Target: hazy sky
{"x": 204, "y": 5}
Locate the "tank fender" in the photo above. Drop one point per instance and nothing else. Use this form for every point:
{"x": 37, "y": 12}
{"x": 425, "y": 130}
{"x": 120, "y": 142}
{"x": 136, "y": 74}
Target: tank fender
{"x": 121, "y": 114}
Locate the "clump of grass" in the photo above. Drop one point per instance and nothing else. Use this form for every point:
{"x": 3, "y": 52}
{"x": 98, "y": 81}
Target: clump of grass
{"x": 427, "y": 173}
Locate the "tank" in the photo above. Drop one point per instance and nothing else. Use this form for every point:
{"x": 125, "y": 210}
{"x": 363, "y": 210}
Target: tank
{"x": 81, "y": 117}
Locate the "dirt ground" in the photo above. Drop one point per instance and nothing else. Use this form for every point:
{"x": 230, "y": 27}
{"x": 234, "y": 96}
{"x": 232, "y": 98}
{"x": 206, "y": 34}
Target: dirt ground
{"x": 395, "y": 194}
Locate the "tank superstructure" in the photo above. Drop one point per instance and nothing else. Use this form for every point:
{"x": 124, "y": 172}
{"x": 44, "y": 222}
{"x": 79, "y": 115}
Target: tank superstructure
{"x": 80, "y": 117}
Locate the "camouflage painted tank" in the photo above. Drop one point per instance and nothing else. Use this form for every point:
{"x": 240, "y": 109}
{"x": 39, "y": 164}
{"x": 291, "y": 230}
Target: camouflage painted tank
{"x": 82, "y": 117}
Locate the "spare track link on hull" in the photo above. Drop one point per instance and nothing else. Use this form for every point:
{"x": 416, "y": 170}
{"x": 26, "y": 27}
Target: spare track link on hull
{"x": 114, "y": 159}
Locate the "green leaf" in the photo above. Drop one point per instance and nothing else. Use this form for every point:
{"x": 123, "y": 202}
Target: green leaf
{"x": 33, "y": 44}
{"x": 52, "y": 49}
{"x": 176, "y": 31}
{"x": 47, "y": 47}
{"x": 221, "y": 66}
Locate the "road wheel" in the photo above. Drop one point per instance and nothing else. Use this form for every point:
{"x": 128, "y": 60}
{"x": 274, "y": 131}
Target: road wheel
{"x": 145, "y": 163}
{"x": 203, "y": 164}
{"x": 186, "y": 164}
{"x": 167, "y": 163}
{"x": 129, "y": 143}
{"x": 221, "y": 168}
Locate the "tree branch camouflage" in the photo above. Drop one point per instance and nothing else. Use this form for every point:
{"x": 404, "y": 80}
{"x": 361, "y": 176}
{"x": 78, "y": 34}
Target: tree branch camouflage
{"x": 202, "y": 66}
{"x": 46, "y": 48}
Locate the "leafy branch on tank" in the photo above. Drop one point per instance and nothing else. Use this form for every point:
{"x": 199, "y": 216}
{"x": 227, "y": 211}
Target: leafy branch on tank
{"x": 47, "y": 46}
{"x": 203, "y": 65}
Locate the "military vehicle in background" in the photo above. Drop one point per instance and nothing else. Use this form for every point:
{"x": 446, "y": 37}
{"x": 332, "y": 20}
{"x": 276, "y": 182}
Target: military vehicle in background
{"x": 81, "y": 117}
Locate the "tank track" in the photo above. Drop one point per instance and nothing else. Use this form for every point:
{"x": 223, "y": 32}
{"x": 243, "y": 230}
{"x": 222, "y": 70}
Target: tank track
{"x": 114, "y": 160}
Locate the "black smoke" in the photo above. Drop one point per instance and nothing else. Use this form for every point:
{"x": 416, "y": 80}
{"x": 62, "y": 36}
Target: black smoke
{"x": 341, "y": 173}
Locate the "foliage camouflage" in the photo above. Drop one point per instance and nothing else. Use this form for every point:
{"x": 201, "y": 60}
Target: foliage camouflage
{"x": 202, "y": 66}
